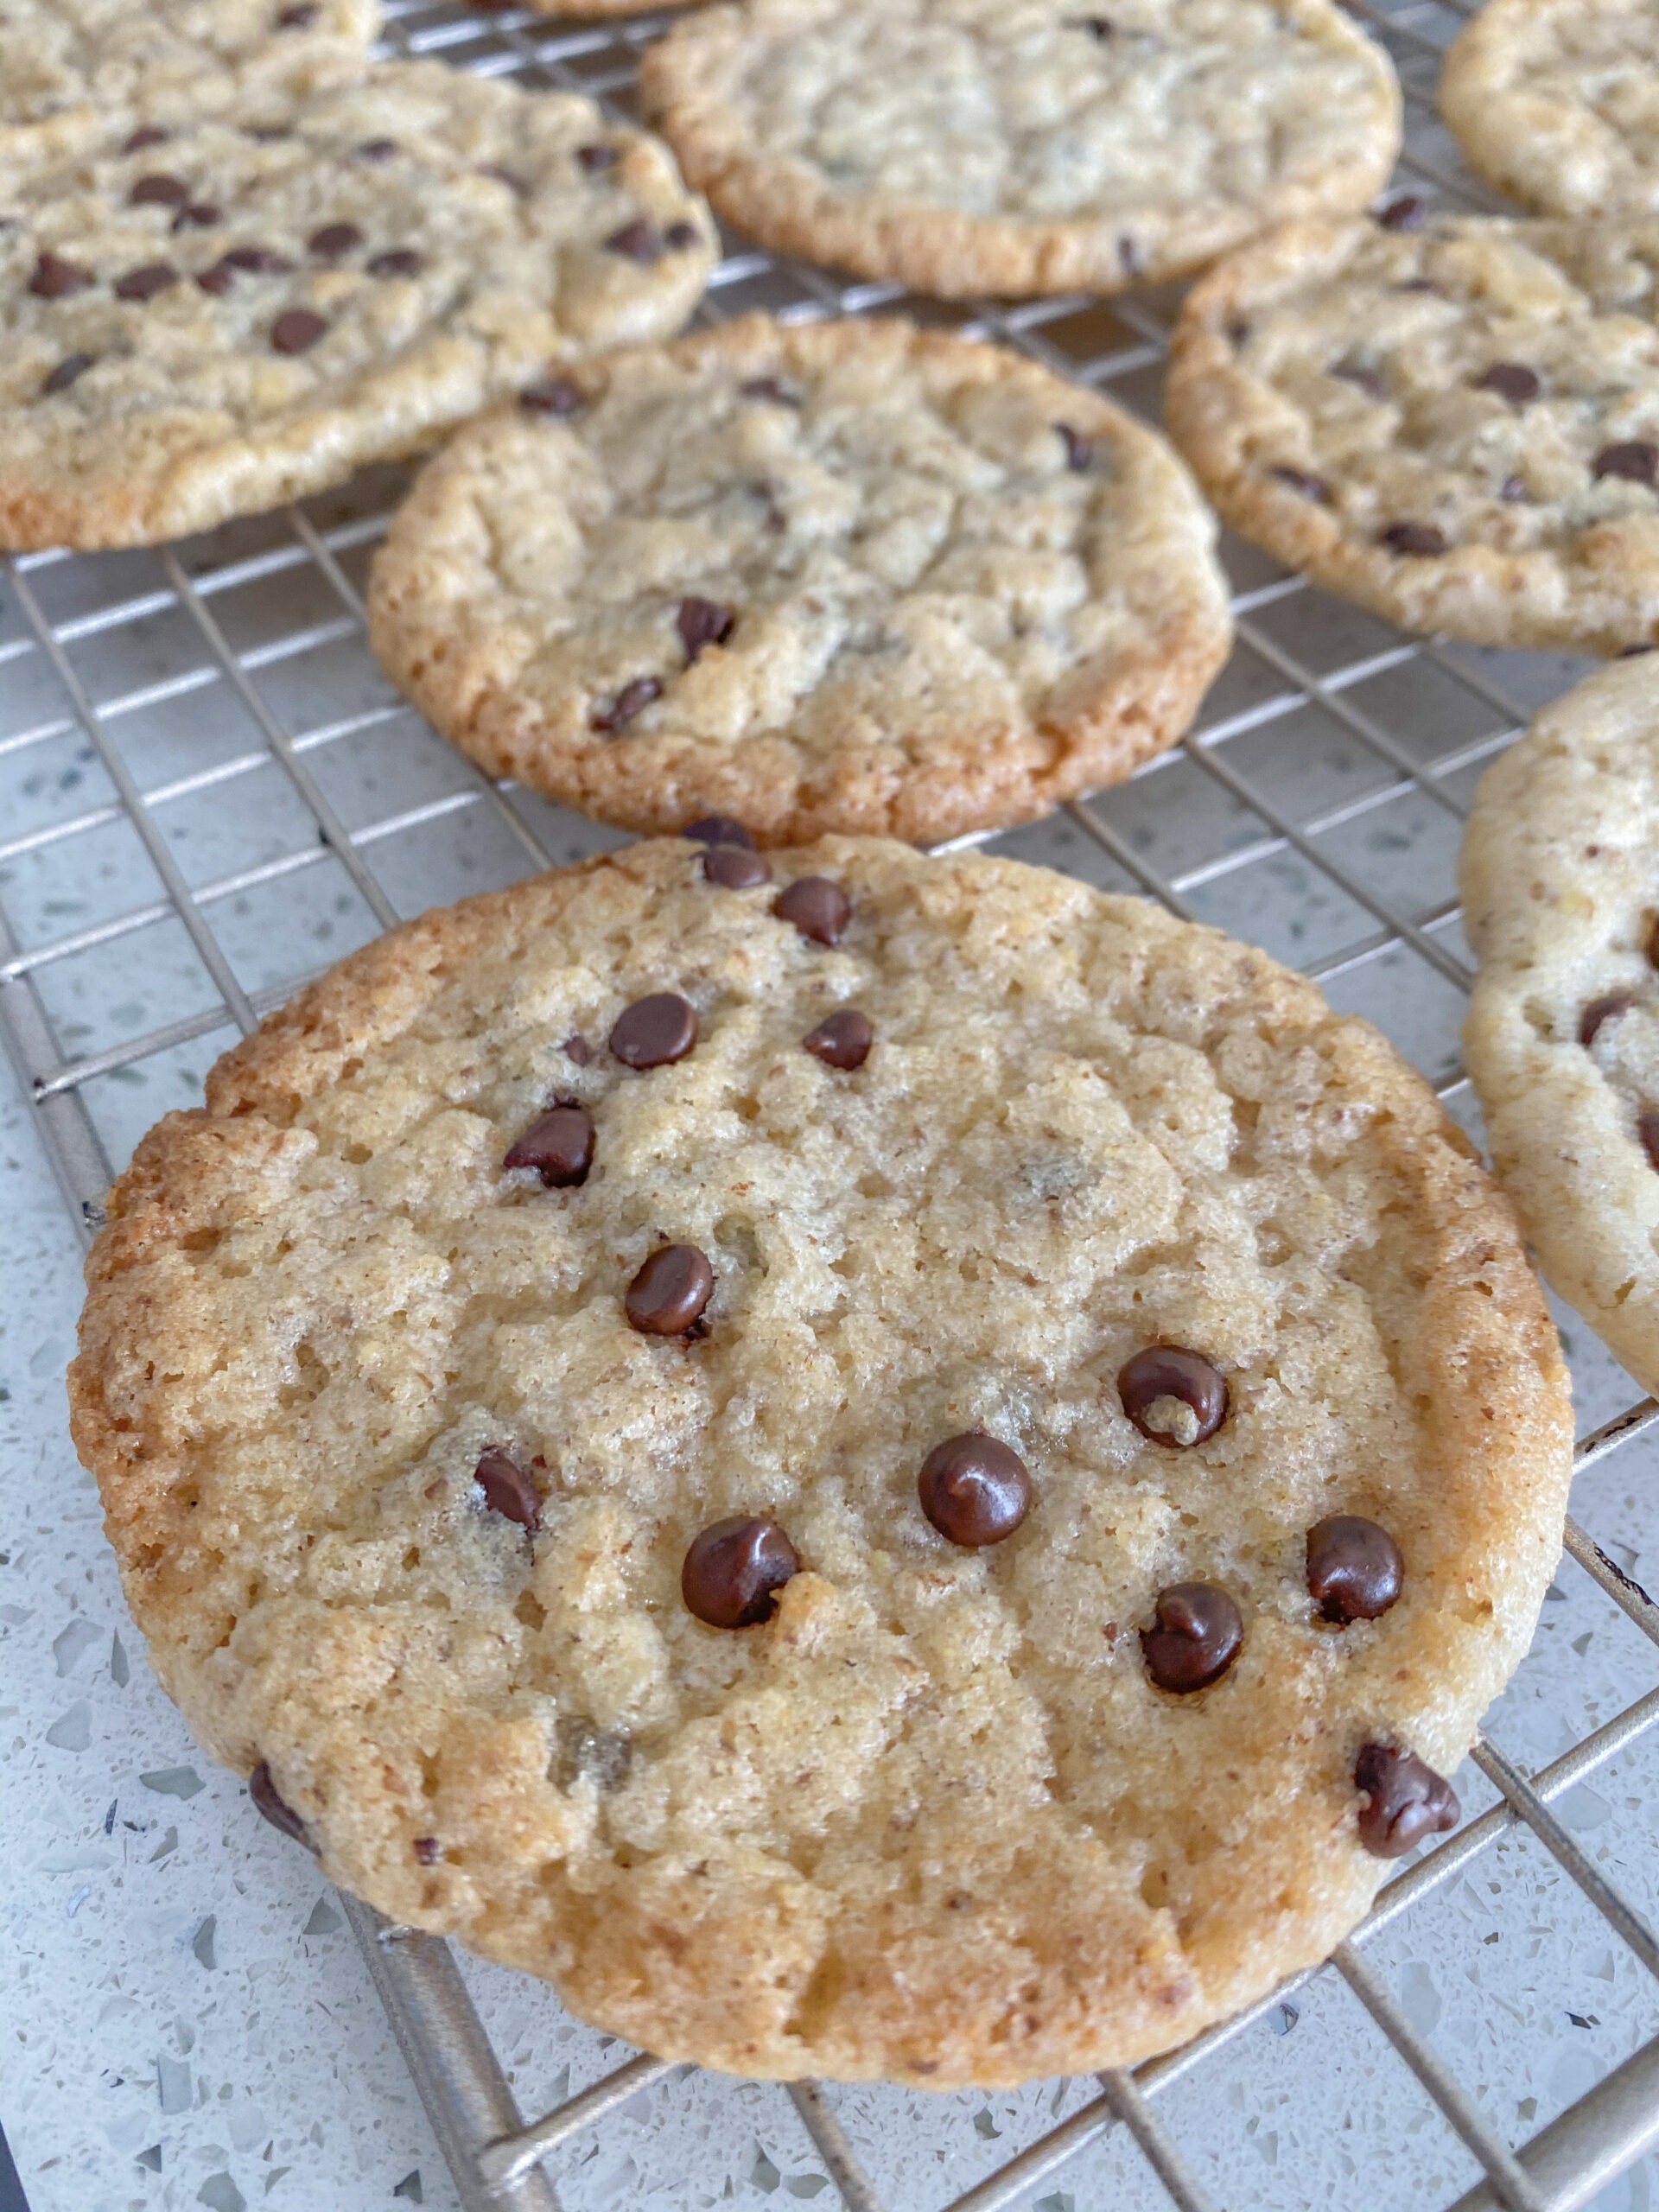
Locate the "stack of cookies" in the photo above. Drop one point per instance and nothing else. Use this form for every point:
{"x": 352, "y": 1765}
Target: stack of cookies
{"x": 881, "y": 1464}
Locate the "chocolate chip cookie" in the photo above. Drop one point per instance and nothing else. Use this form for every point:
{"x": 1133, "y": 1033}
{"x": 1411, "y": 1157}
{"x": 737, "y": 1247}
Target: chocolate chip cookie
{"x": 962, "y": 1558}
{"x": 1559, "y": 874}
{"x": 207, "y": 322}
{"x": 1452, "y": 420}
{"x": 843, "y": 575}
{"x": 962, "y": 147}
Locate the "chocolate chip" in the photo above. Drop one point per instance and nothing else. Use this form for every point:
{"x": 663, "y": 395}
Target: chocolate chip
{"x": 377, "y": 151}
{"x": 553, "y": 396}
{"x": 1354, "y": 1568}
{"x": 1079, "y": 451}
{"x": 1419, "y": 284}
{"x": 1646, "y": 1129}
{"x": 334, "y": 241}
{"x": 1196, "y": 1639}
{"x": 508, "y": 1489}
{"x": 1511, "y": 380}
{"x": 633, "y": 699}
{"x": 1600, "y": 1011}
{"x": 654, "y": 1032}
{"x": 1407, "y": 212}
{"x": 1514, "y": 489}
{"x": 560, "y": 1147}
{"x": 732, "y": 1569}
{"x": 159, "y": 192}
{"x": 276, "y": 1808}
{"x": 842, "y": 1040}
{"x": 637, "y": 239}
{"x": 1099, "y": 26}
{"x": 1367, "y": 381}
{"x": 299, "y": 16}
{"x": 1239, "y": 332}
{"x": 1635, "y": 461}
{"x": 199, "y": 215}
{"x": 400, "y": 261}
{"x": 258, "y": 260}
{"x": 55, "y": 278}
{"x": 723, "y": 830}
{"x": 428, "y": 1850}
{"x": 219, "y": 279}
{"x": 703, "y": 622}
{"x": 818, "y": 908}
{"x": 1406, "y": 1801}
{"x": 144, "y": 284}
{"x": 595, "y": 158}
{"x": 1297, "y": 480}
{"x": 145, "y": 135}
{"x": 294, "y": 332}
{"x": 1420, "y": 539}
{"x": 769, "y": 388}
{"x": 72, "y": 366}
{"x": 577, "y": 1048}
{"x": 734, "y": 867}
{"x": 974, "y": 1489}
{"x": 669, "y": 1292}
{"x": 1173, "y": 1396}
{"x": 679, "y": 236}
{"x": 590, "y": 1754}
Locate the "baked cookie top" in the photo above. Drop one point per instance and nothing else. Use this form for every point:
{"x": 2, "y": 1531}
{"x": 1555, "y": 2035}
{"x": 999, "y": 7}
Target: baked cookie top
{"x": 214, "y": 322}
{"x": 75, "y": 73}
{"x": 842, "y": 575}
{"x": 1556, "y": 102}
{"x": 1452, "y": 420}
{"x": 989, "y": 1292}
{"x": 969, "y": 146}
{"x": 1560, "y": 889}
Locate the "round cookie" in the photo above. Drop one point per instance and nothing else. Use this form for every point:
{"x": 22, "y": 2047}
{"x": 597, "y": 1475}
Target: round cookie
{"x": 1556, "y": 102}
{"x": 857, "y": 1565}
{"x": 1453, "y": 420}
{"x": 962, "y": 147}
{"x": 1559, "y": 871}
{"x": 245, "y": 310}
{"x": 75, "y": 74}
{"x": 847, "y": 575}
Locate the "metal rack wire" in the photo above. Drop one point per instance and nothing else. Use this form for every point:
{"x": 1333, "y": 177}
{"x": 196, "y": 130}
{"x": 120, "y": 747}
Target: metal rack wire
{"x": 86, "y": 639}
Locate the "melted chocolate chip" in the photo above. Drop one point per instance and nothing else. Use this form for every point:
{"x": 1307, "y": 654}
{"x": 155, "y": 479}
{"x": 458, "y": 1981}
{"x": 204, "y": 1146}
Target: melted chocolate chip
{"x": 508, "y": 1489}
{"x": 1079, "y": 451}
{"x": 595, "y": 158}
{"x": 334, "y": 241}
{"x": 1600, "y": 1011}
{"x": 726, "y": 829}
{"x": 144, "y": 284}
{"x": 769, "y": 388}
{"x": 1511, "y": 380}
{"x": 1407, "y": 212}
{"x": 296, "y": 330}
{"x": 637, "y": 240}
{"x": 1647, "y": 1129}
{"x": 72, "y": 366}
{"x": 1635, "y": 461}
{"x": 654, "y": 1032}
{"x": 560, "y": 1147}
{"x": 669, "y": 1292}
{"x": 679, "y": 237}
{"x": 1419, "y": 539}
{"x": 377, "y": 151}
{"x": 842, "y": 1040}
{"x": 399, "y": 261}
{"x": 633, "y": 699}
{"x": 1196, "y": 1639}
{"x": 734, "y": 867}
{"x": 577, "y": 1048}
{"x": 146, "y": 135}
{"x": 299, "y": 16}
{"x": 732, "y": 1568}
{"x": 1298, "y": 480}
{"x": 199, "y": 215}
{"x": 974, "y": 1489}
{"x": 159, "y": 192}
{"x": 1163, "y": 1373}
{"x": 55, "y": 278}
{"x": 703, "y": 622}
{"x": 818, "y": 908}
{"x": 1406, "y": 1801}
{"x": 1354, "y": 1568}
{"x": 553, "y": 396}
{"x": 428, "y": 1850}
{"x": 273, "y": 1807}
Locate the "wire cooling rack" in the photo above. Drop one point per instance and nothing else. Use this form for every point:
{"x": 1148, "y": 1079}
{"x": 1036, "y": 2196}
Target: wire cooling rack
{"x": 207, "y": 719}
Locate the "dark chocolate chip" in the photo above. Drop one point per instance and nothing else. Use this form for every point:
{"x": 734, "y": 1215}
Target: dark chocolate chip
{"x": 1513, "y": 489}
{"x": 377, "y": 151}
{"x": 1646, "y": 1129}
{"x": 1170, "y": 1371}
{"x": 1407, "y": 212}
{"x": 633, "y": 699}
{"x": 974, "y": 1489}
{"x": 637, "y": 239}
{"x": 842, "y": 1040}
{"x": 1422, "y": 540}
{"x": 398, "y": 261}
{"x": 1100, "y": 26}
{"x": 703, "y": 622}
{"x": 560, "y": 1147}
{"x": 553, "y": 396}
{"x": 508, "y": 1489}
{"x": 1635, "y": 461}
{"x": 1298, "y": 480}
{"x": 1354, "y": 1568}
{"x": 654, "y": 1032}
{"x": 734, "y": 867}
{"x": 732, "y": 1568}
{"x": 334, "y": 241}
{"x": 1603, "y": 1010}
{"x": 428, "y": 1850}
{"x": 577, "y": 1048}
{"x": 587, "y": 1753}
{"x": 718, "y": 829}
{"x": 276, "y": 1808}
{"x": 199, "y": 215}
{"x": 159, "y": 192}
{"x": 669, "y": 1292}
{"x": 72, "y": 366}
{"x": 144, "y": 284}
{"x": 1406, "y": 1801}
{"x": 1511, "y": 380}
{"x": 818, "y": 908}
{"x": 1079, "y": 451}
{"x": 1368, "y": 380}
{"x": 597, "y": 157}
{"x": 219, "y": 279}
{"x": 55, "y": 278}
{"x": 771, "y": 388}
{"x": 1196, "y": 1638}
{"x": 145, "y": 135}
{"x": 258, "y": 260}
{"x": 298, "y": 16}
{"x": 294, "y": 332}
